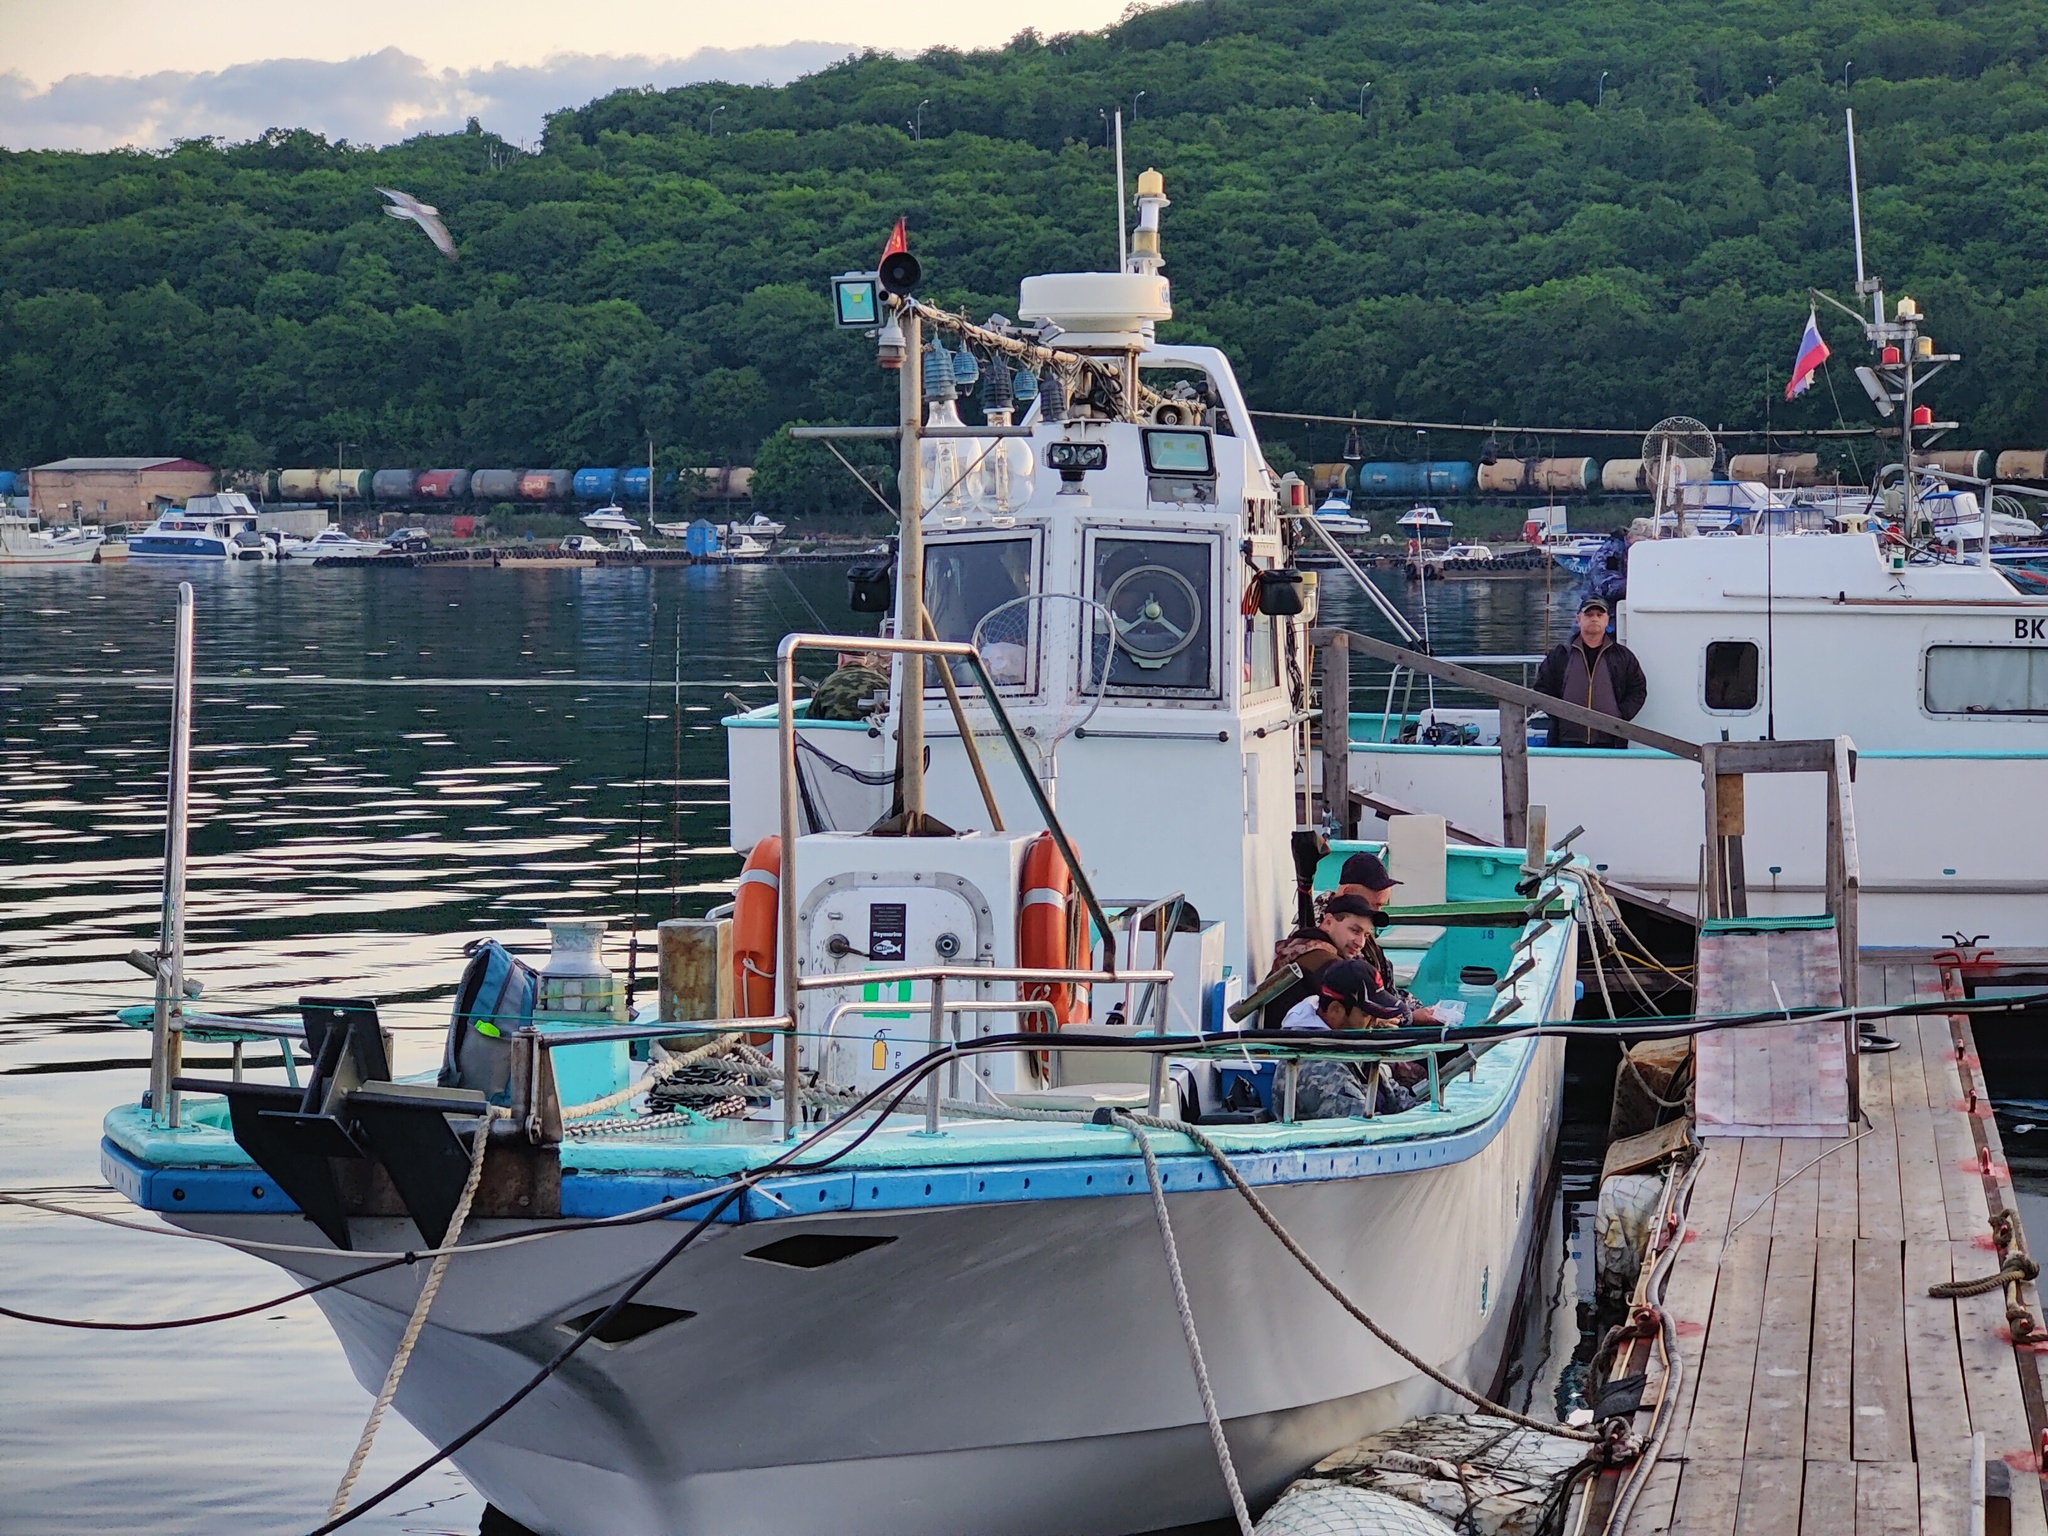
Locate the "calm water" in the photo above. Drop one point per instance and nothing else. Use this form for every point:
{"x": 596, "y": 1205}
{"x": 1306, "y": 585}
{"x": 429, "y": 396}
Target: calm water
{"x": 386, "y": 764}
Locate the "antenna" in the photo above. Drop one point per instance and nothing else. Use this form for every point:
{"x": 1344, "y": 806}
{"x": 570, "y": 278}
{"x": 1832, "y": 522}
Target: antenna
{"x": 1123, "y": 252}
{"x": 1856, "y": 217}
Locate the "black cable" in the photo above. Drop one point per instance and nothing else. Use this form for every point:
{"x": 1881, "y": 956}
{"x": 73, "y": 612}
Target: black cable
{"x": 906, "y": 1078}
{"x": 533, "y": 1382}
{"x": 211, "y": 1317}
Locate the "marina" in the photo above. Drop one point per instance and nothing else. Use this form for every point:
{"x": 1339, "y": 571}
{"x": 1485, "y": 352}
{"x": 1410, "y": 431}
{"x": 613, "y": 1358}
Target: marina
{"x": 591, "y": 1002}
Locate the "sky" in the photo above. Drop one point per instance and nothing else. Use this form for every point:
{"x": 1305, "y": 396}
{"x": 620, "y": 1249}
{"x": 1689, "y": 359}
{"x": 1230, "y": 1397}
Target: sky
{"x": 97, "y": 74}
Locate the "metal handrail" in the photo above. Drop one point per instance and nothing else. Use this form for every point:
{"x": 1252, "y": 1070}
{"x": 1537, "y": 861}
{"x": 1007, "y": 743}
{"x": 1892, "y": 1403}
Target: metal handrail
{"x": 971, "y": 973}
{"x": 1509, "y": 693}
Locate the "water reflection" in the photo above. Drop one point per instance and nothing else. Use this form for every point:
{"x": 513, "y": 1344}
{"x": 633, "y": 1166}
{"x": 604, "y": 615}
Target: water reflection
{"x": 386, "y": 764}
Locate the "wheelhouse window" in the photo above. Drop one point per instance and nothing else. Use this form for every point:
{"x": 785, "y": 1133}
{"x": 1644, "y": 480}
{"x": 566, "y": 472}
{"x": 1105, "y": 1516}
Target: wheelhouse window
{"x": 965, "y": 580}
{"x": 1160, "y": 593}
{"x": 1730, "y": 679}
{"x": 1987, "y": 680}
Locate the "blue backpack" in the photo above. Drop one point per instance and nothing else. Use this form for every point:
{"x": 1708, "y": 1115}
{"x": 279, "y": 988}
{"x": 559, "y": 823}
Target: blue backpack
{"x": 494, "y": 1002}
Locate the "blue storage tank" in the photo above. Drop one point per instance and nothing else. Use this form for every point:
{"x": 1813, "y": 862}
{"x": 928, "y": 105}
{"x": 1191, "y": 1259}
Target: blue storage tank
{"x": 1438, "y": 477}
{"x": 8, "y": 480}
{"x": 596, "y": 484}
{"x": 633, "y": 484}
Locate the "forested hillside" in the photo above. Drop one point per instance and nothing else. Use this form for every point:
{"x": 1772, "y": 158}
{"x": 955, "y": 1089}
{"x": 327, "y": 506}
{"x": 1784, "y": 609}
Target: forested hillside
{"x": 1590, "y": 211}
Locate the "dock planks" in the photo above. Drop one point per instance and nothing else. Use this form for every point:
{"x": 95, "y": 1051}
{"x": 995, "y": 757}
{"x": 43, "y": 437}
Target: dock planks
{"x": 1823, "y": 1390}
{"x": 1783, "y": 1080}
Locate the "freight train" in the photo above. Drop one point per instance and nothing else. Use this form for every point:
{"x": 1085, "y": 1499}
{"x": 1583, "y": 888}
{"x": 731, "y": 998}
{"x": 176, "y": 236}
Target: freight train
{"x": 1550, "y": 477}
{"x": 432, "y": 488}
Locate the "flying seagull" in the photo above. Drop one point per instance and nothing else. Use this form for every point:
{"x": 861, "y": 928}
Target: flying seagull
{"x": 405, "y": 206}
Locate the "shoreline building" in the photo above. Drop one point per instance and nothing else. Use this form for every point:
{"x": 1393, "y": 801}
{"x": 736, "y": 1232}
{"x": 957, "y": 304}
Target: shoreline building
{"x": 114, "y": 490}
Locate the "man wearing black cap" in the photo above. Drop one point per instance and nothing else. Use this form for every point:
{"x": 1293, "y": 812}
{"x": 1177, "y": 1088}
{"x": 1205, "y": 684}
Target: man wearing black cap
{"x": 1342, "y": 928}
{"x": 1349, "y": 995}
{"x": 1596, "y": 672}
{"x": 1365, "y": 875}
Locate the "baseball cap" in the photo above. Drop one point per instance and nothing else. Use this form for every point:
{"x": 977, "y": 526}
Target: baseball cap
{"x": 1593, "y": 604}
{"x": 1346, "y": 904}
{"x": 1368, "y": 870}
{"x": 1347, "y": 981}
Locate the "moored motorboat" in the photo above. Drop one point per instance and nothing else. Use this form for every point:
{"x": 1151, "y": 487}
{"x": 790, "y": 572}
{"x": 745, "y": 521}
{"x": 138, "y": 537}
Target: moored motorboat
{"x": 221, "y": 527}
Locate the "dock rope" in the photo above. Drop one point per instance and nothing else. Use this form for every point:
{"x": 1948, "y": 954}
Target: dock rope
{"x": 403, "y": 1357}
{"x": 1316, "y": 1273}
{"x": 2017, "y": 1270}
{"x": 1136, "y": 1125}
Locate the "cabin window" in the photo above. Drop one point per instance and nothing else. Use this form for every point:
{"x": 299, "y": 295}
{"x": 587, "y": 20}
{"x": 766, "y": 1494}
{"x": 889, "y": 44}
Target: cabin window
{"x": 965, "y": 580}
{"x": 1730, "y": 682}
{"x": 1160, "y": 592}
{"x": 1262, "y": 658}
{"x": 1987, "y": 680}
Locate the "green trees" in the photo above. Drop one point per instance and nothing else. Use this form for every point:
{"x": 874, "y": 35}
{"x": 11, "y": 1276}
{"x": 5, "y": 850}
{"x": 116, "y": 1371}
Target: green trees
{"x": 1409, "y": 208}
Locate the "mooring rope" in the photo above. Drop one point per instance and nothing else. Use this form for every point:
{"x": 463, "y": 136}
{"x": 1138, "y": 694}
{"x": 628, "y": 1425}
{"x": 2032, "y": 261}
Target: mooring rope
{"x": 414, "y": 1324}
{"x": 2017, "y": 1270}
{"x": 1316, "y": 1273}
{"x": 1136, "y": 1124}
{"x": 660, "y": 1072}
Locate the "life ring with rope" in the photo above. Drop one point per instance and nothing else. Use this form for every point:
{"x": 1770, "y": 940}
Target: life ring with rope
{"x": 1048, "y": 932}
{"x": 756, "y": 911}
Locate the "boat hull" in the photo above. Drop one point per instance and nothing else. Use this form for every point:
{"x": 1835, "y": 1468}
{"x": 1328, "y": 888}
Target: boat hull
{"x": 158, "y": 546}
{"x": 1941, "y": 846}
{"x": 1013, "y": 1367}
{"x": 62, "y": 553}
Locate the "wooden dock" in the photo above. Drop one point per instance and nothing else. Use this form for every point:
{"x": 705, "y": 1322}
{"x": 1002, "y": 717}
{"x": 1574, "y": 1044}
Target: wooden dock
{"x": 1823, "y": 1390}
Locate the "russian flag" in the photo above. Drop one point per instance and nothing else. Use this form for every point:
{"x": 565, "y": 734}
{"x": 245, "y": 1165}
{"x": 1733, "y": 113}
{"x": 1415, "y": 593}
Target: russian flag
{"x": 1812, "y": 353}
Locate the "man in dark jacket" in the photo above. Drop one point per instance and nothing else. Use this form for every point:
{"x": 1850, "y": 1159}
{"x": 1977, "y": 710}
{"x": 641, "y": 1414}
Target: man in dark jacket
{"x": 1594, "y": 672}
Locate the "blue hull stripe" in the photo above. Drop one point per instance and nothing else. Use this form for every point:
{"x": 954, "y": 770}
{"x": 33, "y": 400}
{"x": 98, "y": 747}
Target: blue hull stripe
{"x": 222, "y": 1191}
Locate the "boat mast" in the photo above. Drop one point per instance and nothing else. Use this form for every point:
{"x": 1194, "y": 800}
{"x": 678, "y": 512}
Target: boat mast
{"x": 168, "y": 1044}
{"x": 910, "y": 571}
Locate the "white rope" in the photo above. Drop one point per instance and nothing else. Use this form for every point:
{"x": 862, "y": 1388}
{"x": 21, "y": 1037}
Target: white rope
{"x": 1315, "y": 1273}
{"x": 418, "y": 1320}
{"x": 1187, "y": 1327}
{"x": 661, "y": 1073}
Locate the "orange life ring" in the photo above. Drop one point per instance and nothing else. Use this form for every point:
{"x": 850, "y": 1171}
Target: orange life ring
{"x": 1047, "y": 937}
{"x": 756, "y": 906}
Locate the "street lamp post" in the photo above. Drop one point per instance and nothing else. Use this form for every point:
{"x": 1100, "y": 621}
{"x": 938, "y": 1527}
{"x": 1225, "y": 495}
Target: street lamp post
{"x": 1600, "y": 95}
{"x": 1361, "y": 98}
{"x": 917, "y": 128}
{"x": 711, "y": 121}
{"x": 1134, "y": 106}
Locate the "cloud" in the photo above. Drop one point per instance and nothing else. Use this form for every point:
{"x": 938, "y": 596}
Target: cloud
{"x": 378, "y": 98}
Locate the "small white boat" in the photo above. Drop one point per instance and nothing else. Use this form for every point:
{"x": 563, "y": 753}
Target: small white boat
{"x": 1425, "y": 523}
{"x": 24, "y": 541}
{"x": 331, "y": 540}
{"x": 611, "y": 519}
{"x": 1468, "y": 552}
{"x": 759, "y": 526}
{"x": 744, "y": 548}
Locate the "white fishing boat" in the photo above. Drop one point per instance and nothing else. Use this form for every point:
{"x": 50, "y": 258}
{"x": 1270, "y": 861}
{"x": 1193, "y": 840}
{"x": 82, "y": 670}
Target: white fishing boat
{"x": 25, "y": 541}
{"x": 1770, "y": 615}
{"x": 743, "y": 549}
{"x": 838, "y": 1307}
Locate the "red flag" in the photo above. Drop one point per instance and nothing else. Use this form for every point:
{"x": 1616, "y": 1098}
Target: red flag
{"x": 899, "y": 240}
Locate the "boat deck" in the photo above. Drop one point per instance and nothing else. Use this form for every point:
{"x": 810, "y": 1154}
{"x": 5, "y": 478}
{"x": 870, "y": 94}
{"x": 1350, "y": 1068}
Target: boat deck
{"x": 1823, "y": 1389}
